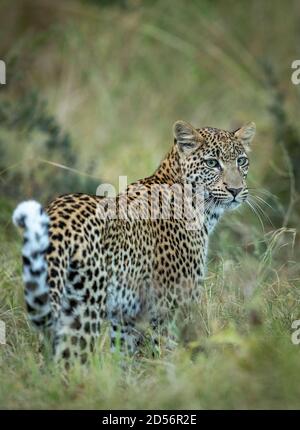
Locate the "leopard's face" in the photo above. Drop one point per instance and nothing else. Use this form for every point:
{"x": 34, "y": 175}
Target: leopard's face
{"x": 216, "y": 161}
{"x": 223, "y": 168}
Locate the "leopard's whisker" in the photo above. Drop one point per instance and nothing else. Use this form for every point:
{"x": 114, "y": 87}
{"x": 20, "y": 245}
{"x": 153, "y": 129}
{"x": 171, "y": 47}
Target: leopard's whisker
{"x": 259, "y": 208}
{"x": 209, "y": 206}
{"x": 256, "y": 213}
{"x": 263, "y": 191}
{"x": 263, "y": 201}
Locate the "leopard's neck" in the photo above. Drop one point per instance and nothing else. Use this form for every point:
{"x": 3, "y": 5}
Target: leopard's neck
{"x": 212, "y": 217}
{"x": 170, "y": 172}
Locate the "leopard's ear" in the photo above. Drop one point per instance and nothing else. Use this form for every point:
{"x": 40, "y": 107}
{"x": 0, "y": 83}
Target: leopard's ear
{"x": 187, "y": 137}
{"x": 246, "y": 134}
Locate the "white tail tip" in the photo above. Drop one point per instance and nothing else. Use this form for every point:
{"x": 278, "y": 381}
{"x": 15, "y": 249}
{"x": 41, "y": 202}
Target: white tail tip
{"x": 28, "y": 212}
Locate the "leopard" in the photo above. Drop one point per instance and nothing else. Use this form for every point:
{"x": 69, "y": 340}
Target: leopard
{"x": 91, "y": 260}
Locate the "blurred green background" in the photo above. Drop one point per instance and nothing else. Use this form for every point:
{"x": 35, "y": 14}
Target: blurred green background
{"x": 93, "y": 88}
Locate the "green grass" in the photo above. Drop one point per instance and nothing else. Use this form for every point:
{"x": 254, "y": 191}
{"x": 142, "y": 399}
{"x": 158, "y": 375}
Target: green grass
{"x": 115, "y": 80}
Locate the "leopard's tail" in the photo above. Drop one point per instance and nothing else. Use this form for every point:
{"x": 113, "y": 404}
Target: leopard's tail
{"x": 32, "y": 218}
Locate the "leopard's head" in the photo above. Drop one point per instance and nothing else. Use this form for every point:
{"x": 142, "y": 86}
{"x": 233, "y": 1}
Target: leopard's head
{"x": 216, "y": 160}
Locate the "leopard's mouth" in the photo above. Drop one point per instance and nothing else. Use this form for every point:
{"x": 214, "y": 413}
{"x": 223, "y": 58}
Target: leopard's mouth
{"x": 213, "y": 200}
{"x": 235, "y": 202}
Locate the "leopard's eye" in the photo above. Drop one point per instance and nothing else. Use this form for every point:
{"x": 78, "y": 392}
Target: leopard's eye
{"x": 242, "y": 161}
{"x": 212, "y": 163}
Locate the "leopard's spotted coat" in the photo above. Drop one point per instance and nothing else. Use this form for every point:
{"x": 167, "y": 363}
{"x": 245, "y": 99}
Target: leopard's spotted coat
{"x": 80, "y": 267}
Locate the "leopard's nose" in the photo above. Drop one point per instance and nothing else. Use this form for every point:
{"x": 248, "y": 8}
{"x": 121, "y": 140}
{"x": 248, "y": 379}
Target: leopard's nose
{"x": 234, "y": 191}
